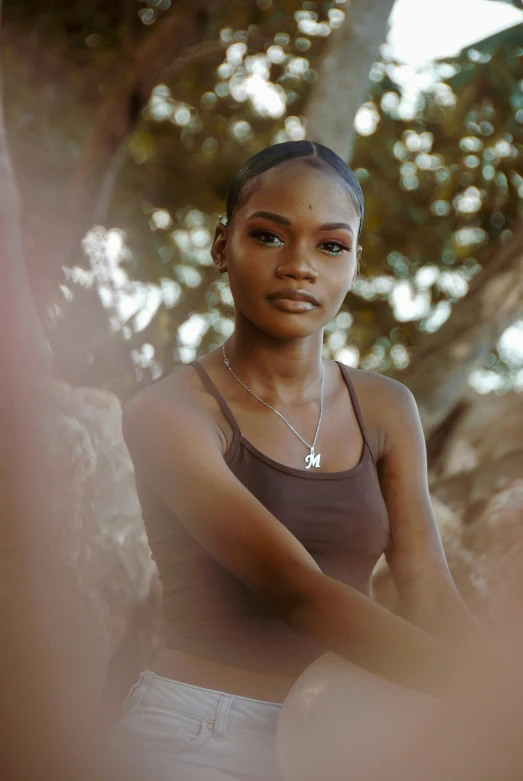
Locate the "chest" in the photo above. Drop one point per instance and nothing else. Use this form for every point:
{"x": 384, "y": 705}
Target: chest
{"x": 340, "y": 519}
{"x": 339, "y": 440}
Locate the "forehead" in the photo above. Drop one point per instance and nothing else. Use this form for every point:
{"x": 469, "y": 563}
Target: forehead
{"x": 294, "y": 188}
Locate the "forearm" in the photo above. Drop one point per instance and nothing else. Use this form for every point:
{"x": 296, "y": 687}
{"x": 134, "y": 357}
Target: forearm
{"x": 443, "y": 615}
{"x": 350, "y": 624}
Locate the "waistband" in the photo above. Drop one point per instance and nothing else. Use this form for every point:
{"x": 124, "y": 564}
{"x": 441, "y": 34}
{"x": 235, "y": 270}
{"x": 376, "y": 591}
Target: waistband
{"x": 208, "y": 704}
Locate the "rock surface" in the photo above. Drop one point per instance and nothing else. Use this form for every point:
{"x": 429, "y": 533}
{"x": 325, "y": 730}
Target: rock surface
{"x": 99, "y": 533}
{"x": 477, "y": 499}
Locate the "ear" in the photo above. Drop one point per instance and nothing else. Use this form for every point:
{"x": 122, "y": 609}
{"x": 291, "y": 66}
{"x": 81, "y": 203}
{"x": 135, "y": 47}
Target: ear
{"x": 358, "y": 264}
{"x": 218, "y": 248}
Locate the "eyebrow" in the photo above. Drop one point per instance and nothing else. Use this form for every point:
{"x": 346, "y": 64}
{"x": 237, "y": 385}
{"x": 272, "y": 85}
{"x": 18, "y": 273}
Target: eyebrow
{"x": 279, "y": 218}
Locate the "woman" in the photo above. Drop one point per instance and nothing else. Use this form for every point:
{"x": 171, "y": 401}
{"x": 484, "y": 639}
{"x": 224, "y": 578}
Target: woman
{"x": 271, "y": 481}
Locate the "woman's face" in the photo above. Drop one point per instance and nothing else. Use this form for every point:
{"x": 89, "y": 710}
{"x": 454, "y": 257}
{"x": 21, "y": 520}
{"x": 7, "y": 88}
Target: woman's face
{"x": 291, "y": 268}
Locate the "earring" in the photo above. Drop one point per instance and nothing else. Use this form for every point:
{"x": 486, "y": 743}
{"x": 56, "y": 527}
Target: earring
{"x": 222, "y": 220}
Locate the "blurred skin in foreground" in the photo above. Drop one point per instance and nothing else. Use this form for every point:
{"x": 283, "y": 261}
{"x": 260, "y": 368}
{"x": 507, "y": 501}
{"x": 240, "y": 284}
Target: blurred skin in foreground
{"x": 340, "y": 722}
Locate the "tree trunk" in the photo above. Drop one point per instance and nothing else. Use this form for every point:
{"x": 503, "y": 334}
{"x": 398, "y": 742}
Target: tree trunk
{"x": 461, "y": 345}
{"x": 343, "y": 78}
{"x": 22, "y": 341}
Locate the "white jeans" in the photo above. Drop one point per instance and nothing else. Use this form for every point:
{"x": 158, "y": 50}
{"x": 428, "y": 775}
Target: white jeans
{"x": 172, "y": 731}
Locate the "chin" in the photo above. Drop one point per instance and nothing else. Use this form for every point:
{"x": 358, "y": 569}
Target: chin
{"x": 289, "y": 326}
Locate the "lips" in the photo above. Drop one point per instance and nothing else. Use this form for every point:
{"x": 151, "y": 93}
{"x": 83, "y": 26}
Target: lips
{"x": 291, "y": 294}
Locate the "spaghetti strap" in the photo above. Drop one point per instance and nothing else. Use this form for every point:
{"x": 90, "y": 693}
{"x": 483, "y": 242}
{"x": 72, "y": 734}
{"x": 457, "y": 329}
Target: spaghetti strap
{"x": 356, "y": 405}
{"x": 213, "y": 390}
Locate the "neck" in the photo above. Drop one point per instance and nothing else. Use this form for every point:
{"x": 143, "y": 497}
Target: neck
{"x": 286, "y": 371}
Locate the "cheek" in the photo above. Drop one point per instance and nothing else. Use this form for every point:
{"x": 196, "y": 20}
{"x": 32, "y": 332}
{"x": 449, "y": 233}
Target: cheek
{"x": 249, "y": 271}
{"x": 341, "y": 278}
{"x": 243, "y": 277}
{"x": 245, "y": 284}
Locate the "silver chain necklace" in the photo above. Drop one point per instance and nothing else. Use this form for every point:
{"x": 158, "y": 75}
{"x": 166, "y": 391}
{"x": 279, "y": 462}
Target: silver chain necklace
{"x": 313, "y": 459}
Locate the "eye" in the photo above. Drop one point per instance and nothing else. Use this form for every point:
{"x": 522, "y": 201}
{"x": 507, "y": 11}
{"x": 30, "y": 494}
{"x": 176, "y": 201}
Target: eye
{"x": 342, "y": 247}
{"x": 261, "y": 234}
{"x": 268, "y": 238}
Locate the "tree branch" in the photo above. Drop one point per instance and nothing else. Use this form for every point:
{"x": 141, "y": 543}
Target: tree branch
{"x": 462, "y": 344}
{"x": 163, "y": 52}
{"x": 206, "y": 52}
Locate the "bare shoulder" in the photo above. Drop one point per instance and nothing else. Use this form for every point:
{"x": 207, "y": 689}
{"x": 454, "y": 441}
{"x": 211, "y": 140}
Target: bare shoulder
{"x": 179, "y": 395}
{"x": 385, "y": 405}
{"x": 177, "y": 388}
{"x": 373, "y": 389}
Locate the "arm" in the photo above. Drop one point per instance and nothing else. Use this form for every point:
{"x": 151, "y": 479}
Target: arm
{"x": 427, "y": 594}
{"x": 248, "y": 541}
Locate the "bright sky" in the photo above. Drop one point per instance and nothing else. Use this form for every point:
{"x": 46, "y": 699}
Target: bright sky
{"x": 422, "y": 30}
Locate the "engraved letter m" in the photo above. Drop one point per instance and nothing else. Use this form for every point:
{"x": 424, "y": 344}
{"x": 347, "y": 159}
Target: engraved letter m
{"x": 312, "y": 460}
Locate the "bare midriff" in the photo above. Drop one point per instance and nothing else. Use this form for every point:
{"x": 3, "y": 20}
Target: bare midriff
{"x": 196, "y": 671}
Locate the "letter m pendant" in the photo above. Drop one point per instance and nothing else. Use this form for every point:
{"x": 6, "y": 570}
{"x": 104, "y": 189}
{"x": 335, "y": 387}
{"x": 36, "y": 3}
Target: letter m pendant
{"x": 312, "y": 459}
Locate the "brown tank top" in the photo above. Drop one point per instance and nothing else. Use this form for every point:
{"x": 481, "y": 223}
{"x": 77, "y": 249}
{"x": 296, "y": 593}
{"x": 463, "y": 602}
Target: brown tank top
{"x": 339, "y": 517}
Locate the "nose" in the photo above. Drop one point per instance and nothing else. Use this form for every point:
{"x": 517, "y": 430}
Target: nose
{"x": 294, "y": 263}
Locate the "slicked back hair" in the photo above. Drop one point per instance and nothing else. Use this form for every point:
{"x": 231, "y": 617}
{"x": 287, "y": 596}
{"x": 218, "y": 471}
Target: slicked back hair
{"x": 247, "y": 178}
